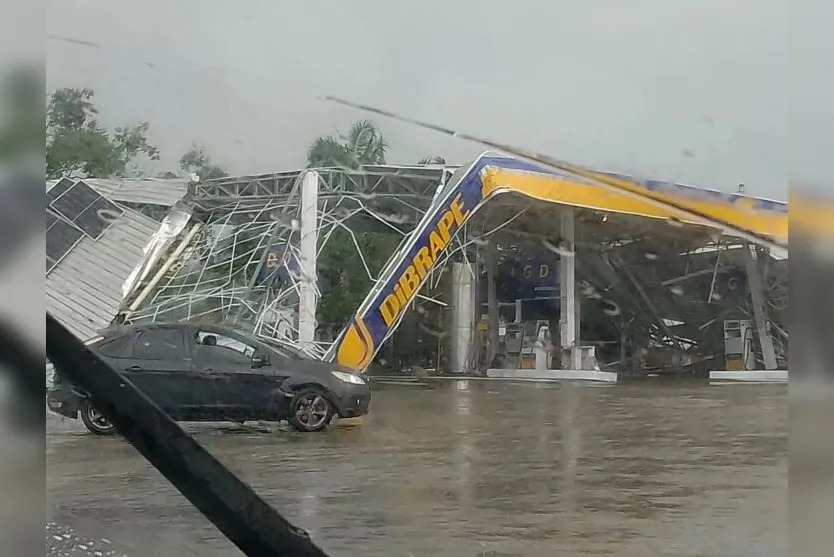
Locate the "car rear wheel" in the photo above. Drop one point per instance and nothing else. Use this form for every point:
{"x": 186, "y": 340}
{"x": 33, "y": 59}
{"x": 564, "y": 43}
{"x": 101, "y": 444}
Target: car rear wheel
{"x": 311, "y": 410}
{"x": 94, "y": 420}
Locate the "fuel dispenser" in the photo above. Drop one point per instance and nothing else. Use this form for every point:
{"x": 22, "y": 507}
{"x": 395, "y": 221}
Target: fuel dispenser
{"x": 739, "y": 353}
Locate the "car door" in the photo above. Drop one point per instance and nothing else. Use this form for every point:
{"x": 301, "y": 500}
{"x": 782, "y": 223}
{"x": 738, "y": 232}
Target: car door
{"x": 159, "y": 364}
{"x": 242, "y": 391}
{"x": 206, "y": 405}
{"x": 114, "y": 349}
{"x": 281, "y": 361}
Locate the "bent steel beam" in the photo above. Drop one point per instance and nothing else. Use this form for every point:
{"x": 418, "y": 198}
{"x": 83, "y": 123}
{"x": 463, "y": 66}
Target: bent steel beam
{"x": 491, "y": 175}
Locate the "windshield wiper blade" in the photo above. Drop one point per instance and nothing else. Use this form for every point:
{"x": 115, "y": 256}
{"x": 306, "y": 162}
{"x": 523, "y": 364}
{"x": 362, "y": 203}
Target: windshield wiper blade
{"x": 248, "y": 521}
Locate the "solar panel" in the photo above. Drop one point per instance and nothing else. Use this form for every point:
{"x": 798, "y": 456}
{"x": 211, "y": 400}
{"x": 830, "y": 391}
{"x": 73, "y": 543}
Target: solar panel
{"x": 73, "y": 201}
{"x": 50, "y": 218}
{"x": 95, "y": 219}
{"x": 61, "y": 237}
{"x": 58, "y": 189}
{"x": 84, "y": 207}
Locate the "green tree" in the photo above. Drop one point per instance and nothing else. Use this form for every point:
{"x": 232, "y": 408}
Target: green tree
{"x": 197, "y": 161}
{"x": 364, "y": 144}
{"x": 432, "y": 160}
{"x": 77, "y": 144}
{"x": 344, "y": 280}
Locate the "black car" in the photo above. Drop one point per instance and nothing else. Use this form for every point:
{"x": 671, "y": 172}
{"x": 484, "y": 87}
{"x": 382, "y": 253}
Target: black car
{"x": 214, "y": 373}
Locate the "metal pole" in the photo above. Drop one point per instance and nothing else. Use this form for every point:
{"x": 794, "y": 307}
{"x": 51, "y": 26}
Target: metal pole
{"x": 162, "y": 270}
{"x": 262, "y": 261}
{"x": 571, "y": 357}
{"x": 714, "y": 276}
{"x": 492, "y": 303}
{"x": 754, "y": 280}
{"x": 308, "y": 248}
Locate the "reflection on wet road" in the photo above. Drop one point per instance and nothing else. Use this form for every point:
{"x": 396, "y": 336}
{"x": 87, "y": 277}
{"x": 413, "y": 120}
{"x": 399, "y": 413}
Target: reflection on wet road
{"x": 472, "y": 468}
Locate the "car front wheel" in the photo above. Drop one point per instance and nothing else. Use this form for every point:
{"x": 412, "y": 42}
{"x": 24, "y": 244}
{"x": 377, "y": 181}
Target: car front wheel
{"x": 311, "y": 410}
{"x": 94, "y": 420}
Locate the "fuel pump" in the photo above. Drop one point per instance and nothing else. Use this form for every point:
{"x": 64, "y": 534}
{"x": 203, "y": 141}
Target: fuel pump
{"x": 739, "y": 353}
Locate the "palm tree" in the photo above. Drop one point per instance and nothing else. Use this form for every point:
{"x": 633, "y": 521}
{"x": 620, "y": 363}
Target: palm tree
{"x": 364, "y": 144}
{"x": 432, "y": 160}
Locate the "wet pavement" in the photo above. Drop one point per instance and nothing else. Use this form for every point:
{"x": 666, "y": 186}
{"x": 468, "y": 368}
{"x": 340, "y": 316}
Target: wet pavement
{"x": 467, "y": 468}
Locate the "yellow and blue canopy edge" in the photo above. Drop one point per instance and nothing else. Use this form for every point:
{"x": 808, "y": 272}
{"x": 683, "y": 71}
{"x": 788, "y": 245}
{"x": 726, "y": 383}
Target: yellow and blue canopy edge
{"x": 491, "y": 175}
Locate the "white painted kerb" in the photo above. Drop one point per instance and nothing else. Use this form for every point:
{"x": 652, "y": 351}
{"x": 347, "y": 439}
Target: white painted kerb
{"x": 759, "y": 376}
{"x": 553, "y": 375}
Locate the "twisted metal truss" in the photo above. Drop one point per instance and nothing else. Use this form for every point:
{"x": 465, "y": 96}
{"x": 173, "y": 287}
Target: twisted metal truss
{"x": 242, "y": 266}
{"x": 660, "y": 284}
{"x": 636, "y": 274}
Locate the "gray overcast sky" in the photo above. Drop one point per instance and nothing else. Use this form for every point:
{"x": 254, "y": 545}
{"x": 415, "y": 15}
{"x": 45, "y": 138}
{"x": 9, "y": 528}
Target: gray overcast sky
{"x": 690, "y": 90}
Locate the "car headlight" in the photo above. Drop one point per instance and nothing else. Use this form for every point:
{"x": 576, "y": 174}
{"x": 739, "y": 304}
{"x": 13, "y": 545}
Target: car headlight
{"x": 348, "y": 377}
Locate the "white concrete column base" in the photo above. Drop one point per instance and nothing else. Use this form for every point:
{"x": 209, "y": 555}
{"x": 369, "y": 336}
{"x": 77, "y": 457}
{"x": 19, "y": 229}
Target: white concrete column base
{"x": 552, "y": 375}
{"x": 758, "y": 376}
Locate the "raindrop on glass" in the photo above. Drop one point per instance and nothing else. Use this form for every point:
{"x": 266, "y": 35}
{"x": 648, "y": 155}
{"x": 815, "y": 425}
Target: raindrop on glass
{"x": 393, "y": 219}
{"x": 432, "y": 331}
{"x": 108, "y": 215}
{"x": 612, "y": 309}
{"x": 591, "y": 293}
{"x": 560, "y": 247}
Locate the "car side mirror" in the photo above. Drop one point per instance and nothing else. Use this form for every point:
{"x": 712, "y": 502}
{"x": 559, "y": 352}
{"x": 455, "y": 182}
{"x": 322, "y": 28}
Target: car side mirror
{"x": 260, "y": 360}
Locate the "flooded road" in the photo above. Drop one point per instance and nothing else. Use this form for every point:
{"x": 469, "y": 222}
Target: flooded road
{"x": 467, "y": 468}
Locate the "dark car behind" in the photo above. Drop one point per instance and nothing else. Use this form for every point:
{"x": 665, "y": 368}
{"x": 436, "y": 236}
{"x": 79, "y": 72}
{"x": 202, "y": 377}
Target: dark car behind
{"x": 201, "y": 372}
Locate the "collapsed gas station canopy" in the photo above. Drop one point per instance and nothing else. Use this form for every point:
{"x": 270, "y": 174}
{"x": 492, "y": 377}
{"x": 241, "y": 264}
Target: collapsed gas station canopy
{"x": 704, "y": 213}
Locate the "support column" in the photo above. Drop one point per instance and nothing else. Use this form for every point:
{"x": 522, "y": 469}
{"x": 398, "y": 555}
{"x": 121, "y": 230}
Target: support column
{"x": 542, "y": 348}
{"x": 308, "y": 247}
{"x": 462, "y": 318}
{"x": 491, "y": 262}
{"x": 568, "y": 313}
{"x": 577, "y": 319}
{"x": 757, "y": 296}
